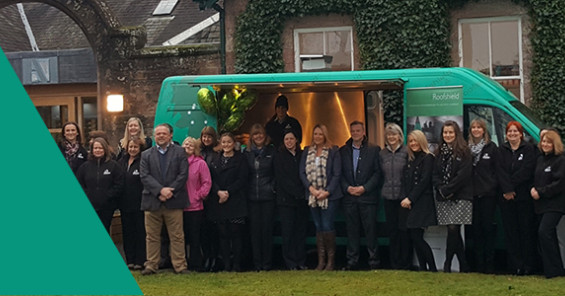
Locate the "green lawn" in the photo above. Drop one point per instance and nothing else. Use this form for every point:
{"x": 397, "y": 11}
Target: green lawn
{"x": 381, "y": 282}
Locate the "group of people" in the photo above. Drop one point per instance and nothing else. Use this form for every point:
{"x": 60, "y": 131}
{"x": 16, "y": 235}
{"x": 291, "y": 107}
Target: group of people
{"x": 206, "y": 195}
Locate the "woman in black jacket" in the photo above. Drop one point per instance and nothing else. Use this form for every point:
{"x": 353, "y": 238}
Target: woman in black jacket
{"x": 549, "y": 200}
{"x": 71, "y": 146}
{"x": 260, "y": 196}
{"x": 485, "y": 189}
{"x": 517, "y": 164}
{"x": 291, "y": 204}
{"x": 134, "y": 130}
{"x": 227, "y": 206}
{"x": 419, "y": 198}
{"x": 102, "y": 179}
{"x": 454, "y": 192}
{"x": 133, "y": 221}
{"x": 209, "y": 148}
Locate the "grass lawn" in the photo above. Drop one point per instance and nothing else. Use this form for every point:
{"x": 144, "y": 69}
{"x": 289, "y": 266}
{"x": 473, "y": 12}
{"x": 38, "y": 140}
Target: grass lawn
{"x": 380, "y": 282}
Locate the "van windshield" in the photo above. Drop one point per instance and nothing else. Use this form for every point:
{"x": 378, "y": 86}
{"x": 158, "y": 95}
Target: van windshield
{"x": 528, "y": 113}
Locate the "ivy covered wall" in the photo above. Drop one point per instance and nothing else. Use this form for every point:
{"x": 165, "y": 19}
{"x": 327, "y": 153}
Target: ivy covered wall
{"x": 404, "y": 34}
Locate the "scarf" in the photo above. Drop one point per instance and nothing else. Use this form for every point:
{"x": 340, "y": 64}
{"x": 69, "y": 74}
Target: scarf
{"x": 70, "y": 150}
{"x": 316, "y": 175}
{"x": 476, "y": 150}
{"x": 446, "y": 154}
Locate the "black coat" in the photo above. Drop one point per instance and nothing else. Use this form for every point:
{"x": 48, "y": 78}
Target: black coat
{"x": 131, "y": 197}
{"x": 77, "y": 159}
{"x": 261, "y": 180}
{"x": 418, "y": 188}
{"x": 275, "y": 129}
{"x": 290, "y": 191}
{"x": 485, "y": 172}
{"x": 459, "y": 186}
{"x": 517, "y": 169}
{"x": 231, "y": 176}
{"x": 102, "y": 182}
{"x": 549, "y": 181}
{"x": 369, "y": 172}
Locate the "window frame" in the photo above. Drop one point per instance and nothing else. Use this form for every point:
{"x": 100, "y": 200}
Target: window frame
{"x": 489, "y": 21}
{"x": 323, "y": 30}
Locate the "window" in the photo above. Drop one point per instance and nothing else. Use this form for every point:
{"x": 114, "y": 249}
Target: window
{"x": 335, "y": 42}
{"x": 493, "y": 46}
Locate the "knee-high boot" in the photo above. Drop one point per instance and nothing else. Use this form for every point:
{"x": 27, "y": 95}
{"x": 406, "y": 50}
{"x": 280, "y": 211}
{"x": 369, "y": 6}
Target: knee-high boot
{"x": 330, "y": 245}
{"x": 320, "y": 244}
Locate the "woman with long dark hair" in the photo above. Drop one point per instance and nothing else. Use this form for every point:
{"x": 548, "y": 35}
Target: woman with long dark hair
{"x": 419, "y": 200}
{"x": 71, "y": 146}
{"x": 516, "y": 177}
{"x": 549, "y": 200}
{"x": 320, "y": 172}
{"x": 454, "y": 192}
{"x": 291, "y": 204}
{"x": 228, "y": 206}
{"x": 485, "y": 187}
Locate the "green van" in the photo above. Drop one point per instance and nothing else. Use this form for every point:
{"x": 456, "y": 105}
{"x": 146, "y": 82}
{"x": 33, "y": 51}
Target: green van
{"x": 338, "y": 98}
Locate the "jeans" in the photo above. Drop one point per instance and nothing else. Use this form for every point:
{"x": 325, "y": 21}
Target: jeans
{"x": 324, "y": 219}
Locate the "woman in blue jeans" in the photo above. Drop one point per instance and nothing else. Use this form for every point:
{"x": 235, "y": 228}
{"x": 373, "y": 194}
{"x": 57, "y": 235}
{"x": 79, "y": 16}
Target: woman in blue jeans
{"x": 320, "y": 171}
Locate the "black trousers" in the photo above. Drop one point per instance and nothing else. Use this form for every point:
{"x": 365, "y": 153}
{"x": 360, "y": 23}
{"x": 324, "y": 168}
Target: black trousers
{"x": 105, "y": 215}
{"x": 231, "y": 244}
{"x": 261, "y": 218}
{"x": 192, "y": 224}
{"x": 400, "y": 243}
{"x": 294, "y": 221}
{"x": 209, "y": 241}
{"x": 519, "y": 226}
{"x": 133, "y": 231}
{"x": 484, "y": 232}
{"x": 549, "y": 245}
{"x": 357, "y": 215}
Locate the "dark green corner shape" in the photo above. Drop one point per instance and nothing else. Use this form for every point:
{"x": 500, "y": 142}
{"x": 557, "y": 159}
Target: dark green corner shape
{"x": 51, "y": 239}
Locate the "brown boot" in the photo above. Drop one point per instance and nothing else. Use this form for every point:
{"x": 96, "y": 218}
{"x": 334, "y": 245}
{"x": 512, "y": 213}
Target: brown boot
{"x": 330, "y": 245}
{"x": 321, "y": 251}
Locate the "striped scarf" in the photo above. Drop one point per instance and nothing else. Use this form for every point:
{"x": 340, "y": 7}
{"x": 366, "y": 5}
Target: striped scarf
{"x": 316, "y": 175}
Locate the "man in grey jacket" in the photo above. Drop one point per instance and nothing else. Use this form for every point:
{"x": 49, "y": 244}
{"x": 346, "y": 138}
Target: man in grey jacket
{"x": 164, "y": 170}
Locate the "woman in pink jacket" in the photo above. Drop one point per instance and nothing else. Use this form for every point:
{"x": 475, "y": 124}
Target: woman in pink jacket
{"x": 198, "y": 185}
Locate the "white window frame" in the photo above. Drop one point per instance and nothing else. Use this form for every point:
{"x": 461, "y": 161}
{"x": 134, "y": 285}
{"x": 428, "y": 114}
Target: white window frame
{"x": 489, "y": 21}
{"x": 297, "y": 60}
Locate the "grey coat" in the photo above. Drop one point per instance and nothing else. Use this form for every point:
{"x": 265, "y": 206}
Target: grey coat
{"x": 153, "y": 180}
{"x": 393, "y": 163}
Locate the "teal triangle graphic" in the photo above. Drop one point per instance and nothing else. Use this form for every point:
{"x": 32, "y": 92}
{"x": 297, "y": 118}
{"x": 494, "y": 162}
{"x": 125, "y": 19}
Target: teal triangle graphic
{"x": 51, "y": 240}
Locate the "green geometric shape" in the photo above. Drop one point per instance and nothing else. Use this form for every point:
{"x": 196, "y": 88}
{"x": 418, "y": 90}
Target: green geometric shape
{"x": 52, "y": 241}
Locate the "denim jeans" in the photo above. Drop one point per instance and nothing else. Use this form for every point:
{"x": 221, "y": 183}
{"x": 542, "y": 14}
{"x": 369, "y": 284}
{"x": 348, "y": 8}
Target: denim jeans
{"x": 324, "y": 219}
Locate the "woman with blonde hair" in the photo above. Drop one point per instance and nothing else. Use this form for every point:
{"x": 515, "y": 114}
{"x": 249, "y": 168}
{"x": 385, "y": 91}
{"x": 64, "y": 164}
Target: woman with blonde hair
{"x": 549, "y": 200}
{"x": 320, "y": 172}
{"x": 198, "y": 186}
{"x": 419, "y": 199}
{"x": 260, "y": 196}
{"x": 394, "y": 157}
{"x": 485, "y": 188}
{"x": 134, "y": 130}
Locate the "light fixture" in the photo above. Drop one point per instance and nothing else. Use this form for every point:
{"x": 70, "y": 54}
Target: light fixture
{"x": 115, "y": 103}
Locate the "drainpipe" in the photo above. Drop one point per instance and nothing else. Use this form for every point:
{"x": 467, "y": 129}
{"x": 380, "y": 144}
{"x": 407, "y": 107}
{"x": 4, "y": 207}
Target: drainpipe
{"x": 222, "y": 12}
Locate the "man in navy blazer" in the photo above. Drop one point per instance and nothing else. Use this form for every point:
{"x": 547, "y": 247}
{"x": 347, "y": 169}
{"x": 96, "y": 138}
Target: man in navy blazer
{"x": 361, "y": 182}
{"x": 164, "y": 170}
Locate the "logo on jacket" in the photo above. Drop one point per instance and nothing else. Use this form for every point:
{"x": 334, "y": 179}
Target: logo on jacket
{"x": 80, "y": 155}
{"x": 521, "y": 156}
{"x": 106, "y": 172}
{"x": 486, "y": 156}
{"x": 135, "y": 173}
{"x": 547, "y": 169}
